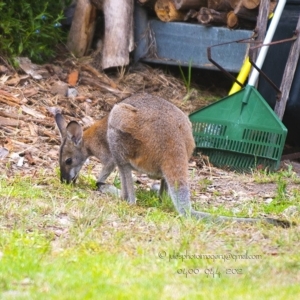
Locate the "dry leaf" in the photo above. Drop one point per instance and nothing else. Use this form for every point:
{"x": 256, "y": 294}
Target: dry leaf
{"x": 73, "y": 78}
{"x": 29, "y": 158}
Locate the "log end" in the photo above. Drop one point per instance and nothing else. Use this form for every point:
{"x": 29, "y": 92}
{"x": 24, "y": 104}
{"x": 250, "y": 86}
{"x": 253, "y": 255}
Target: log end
{"x": 167, "y": 12}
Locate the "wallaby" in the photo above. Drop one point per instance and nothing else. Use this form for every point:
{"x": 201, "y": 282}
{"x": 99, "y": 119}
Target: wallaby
{"x": 77, "y": 146}
{"x": 144, "y": 133}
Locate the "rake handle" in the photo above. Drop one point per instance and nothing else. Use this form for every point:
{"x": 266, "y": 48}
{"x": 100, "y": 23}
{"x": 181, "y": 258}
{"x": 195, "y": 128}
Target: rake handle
{"x": 269, "y": 36}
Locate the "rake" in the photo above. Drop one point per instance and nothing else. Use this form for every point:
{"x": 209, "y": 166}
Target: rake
{"x": 241, "y": 132}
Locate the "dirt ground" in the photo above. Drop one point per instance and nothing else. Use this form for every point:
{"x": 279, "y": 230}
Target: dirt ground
{"x": 29, "y": 140}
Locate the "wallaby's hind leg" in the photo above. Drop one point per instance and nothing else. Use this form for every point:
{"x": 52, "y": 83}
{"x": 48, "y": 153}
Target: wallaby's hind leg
{"x": 180, "y": 196}
{"x": 127, "y": 188}
{"x": 176, "y": 176}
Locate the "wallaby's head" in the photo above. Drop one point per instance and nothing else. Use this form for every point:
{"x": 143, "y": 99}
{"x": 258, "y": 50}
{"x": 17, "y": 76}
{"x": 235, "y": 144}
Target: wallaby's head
{"x": 72, "y": 154}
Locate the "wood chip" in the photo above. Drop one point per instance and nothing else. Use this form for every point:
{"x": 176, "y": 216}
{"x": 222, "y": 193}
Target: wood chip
{"x": 9, "y": 122}
{"x": 30, "y": 92}
{"x": 8, "y": 99}
{"x": 32, "y": 112}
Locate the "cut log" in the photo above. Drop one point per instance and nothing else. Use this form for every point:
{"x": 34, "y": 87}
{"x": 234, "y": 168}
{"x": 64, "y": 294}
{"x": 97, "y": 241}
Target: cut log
{"x": 118, "y": 34}
{"x": 232, "y": 20}
{"x": 251, "y": 4}
{"x": 189, "y": 4}
{"x": 208, "y": 16}
{"x": 82, "y": 28}
{"x": 167, "y": 12}
{"x": 244, "y": 13}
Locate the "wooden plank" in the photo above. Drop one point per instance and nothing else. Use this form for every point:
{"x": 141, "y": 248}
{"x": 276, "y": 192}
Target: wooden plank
{"x": 288, "y": 75}
{"x": 118, "y": 35}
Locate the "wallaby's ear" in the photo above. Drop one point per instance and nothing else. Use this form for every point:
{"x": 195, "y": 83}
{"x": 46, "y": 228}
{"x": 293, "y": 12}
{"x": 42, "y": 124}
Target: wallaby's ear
{"x": 61, "y": 124}
{"x": 128, "y": 107}
{"x": 59, "y": 119}
{"x": 74, "y": 132}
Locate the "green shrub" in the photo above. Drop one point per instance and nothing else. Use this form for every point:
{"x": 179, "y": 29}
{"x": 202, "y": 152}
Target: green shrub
{"x": 30, "y": 28}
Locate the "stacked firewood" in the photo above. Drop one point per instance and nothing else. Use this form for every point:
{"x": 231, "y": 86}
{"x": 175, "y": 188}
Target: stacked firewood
{"x": 231, "y": 13}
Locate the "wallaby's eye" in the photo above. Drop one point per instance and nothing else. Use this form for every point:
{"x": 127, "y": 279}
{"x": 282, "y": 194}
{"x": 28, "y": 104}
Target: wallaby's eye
{"x": 68, "y": 161}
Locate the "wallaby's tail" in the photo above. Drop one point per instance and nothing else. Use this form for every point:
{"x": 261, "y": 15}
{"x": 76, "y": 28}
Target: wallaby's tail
{"x": 180, "y": 196}
{"x": 219, "y": 219}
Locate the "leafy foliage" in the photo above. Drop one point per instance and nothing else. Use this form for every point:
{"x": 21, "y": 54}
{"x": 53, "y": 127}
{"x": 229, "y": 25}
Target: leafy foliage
{"x": 30, "y": 28}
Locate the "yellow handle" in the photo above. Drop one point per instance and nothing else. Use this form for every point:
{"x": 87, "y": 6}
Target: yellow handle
{"x": 244, "y": 72}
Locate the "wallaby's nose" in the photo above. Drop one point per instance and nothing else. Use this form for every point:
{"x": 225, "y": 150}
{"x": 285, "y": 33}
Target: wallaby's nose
{"x": 67, "y": 179}
{"x": 64, "y": 180}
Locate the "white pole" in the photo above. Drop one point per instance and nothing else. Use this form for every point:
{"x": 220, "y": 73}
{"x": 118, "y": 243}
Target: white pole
{"x": 269, "y": 36}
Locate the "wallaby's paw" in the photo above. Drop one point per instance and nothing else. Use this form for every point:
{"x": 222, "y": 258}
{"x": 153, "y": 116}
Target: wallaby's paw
{"x": 155, "y": 187}
{"x": 131, "y": 202}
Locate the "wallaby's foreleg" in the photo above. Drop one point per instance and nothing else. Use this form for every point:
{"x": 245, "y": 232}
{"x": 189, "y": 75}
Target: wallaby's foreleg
{"x": 127, "y": 187}
{"x": 105, "y": 172}
{"x": 163, "y": 187}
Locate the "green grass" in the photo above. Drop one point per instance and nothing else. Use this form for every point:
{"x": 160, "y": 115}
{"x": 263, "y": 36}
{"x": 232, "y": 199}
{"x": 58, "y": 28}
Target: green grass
{"x": 71, "y": 242}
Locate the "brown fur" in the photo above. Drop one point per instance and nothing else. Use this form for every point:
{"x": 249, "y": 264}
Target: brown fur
{"x": 144, "y": 133}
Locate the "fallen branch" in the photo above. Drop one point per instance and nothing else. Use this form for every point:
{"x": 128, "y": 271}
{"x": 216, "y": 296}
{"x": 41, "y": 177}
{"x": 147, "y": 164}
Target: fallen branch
{"x": 92, "y": 82}
{"x": 46, "y": 122}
